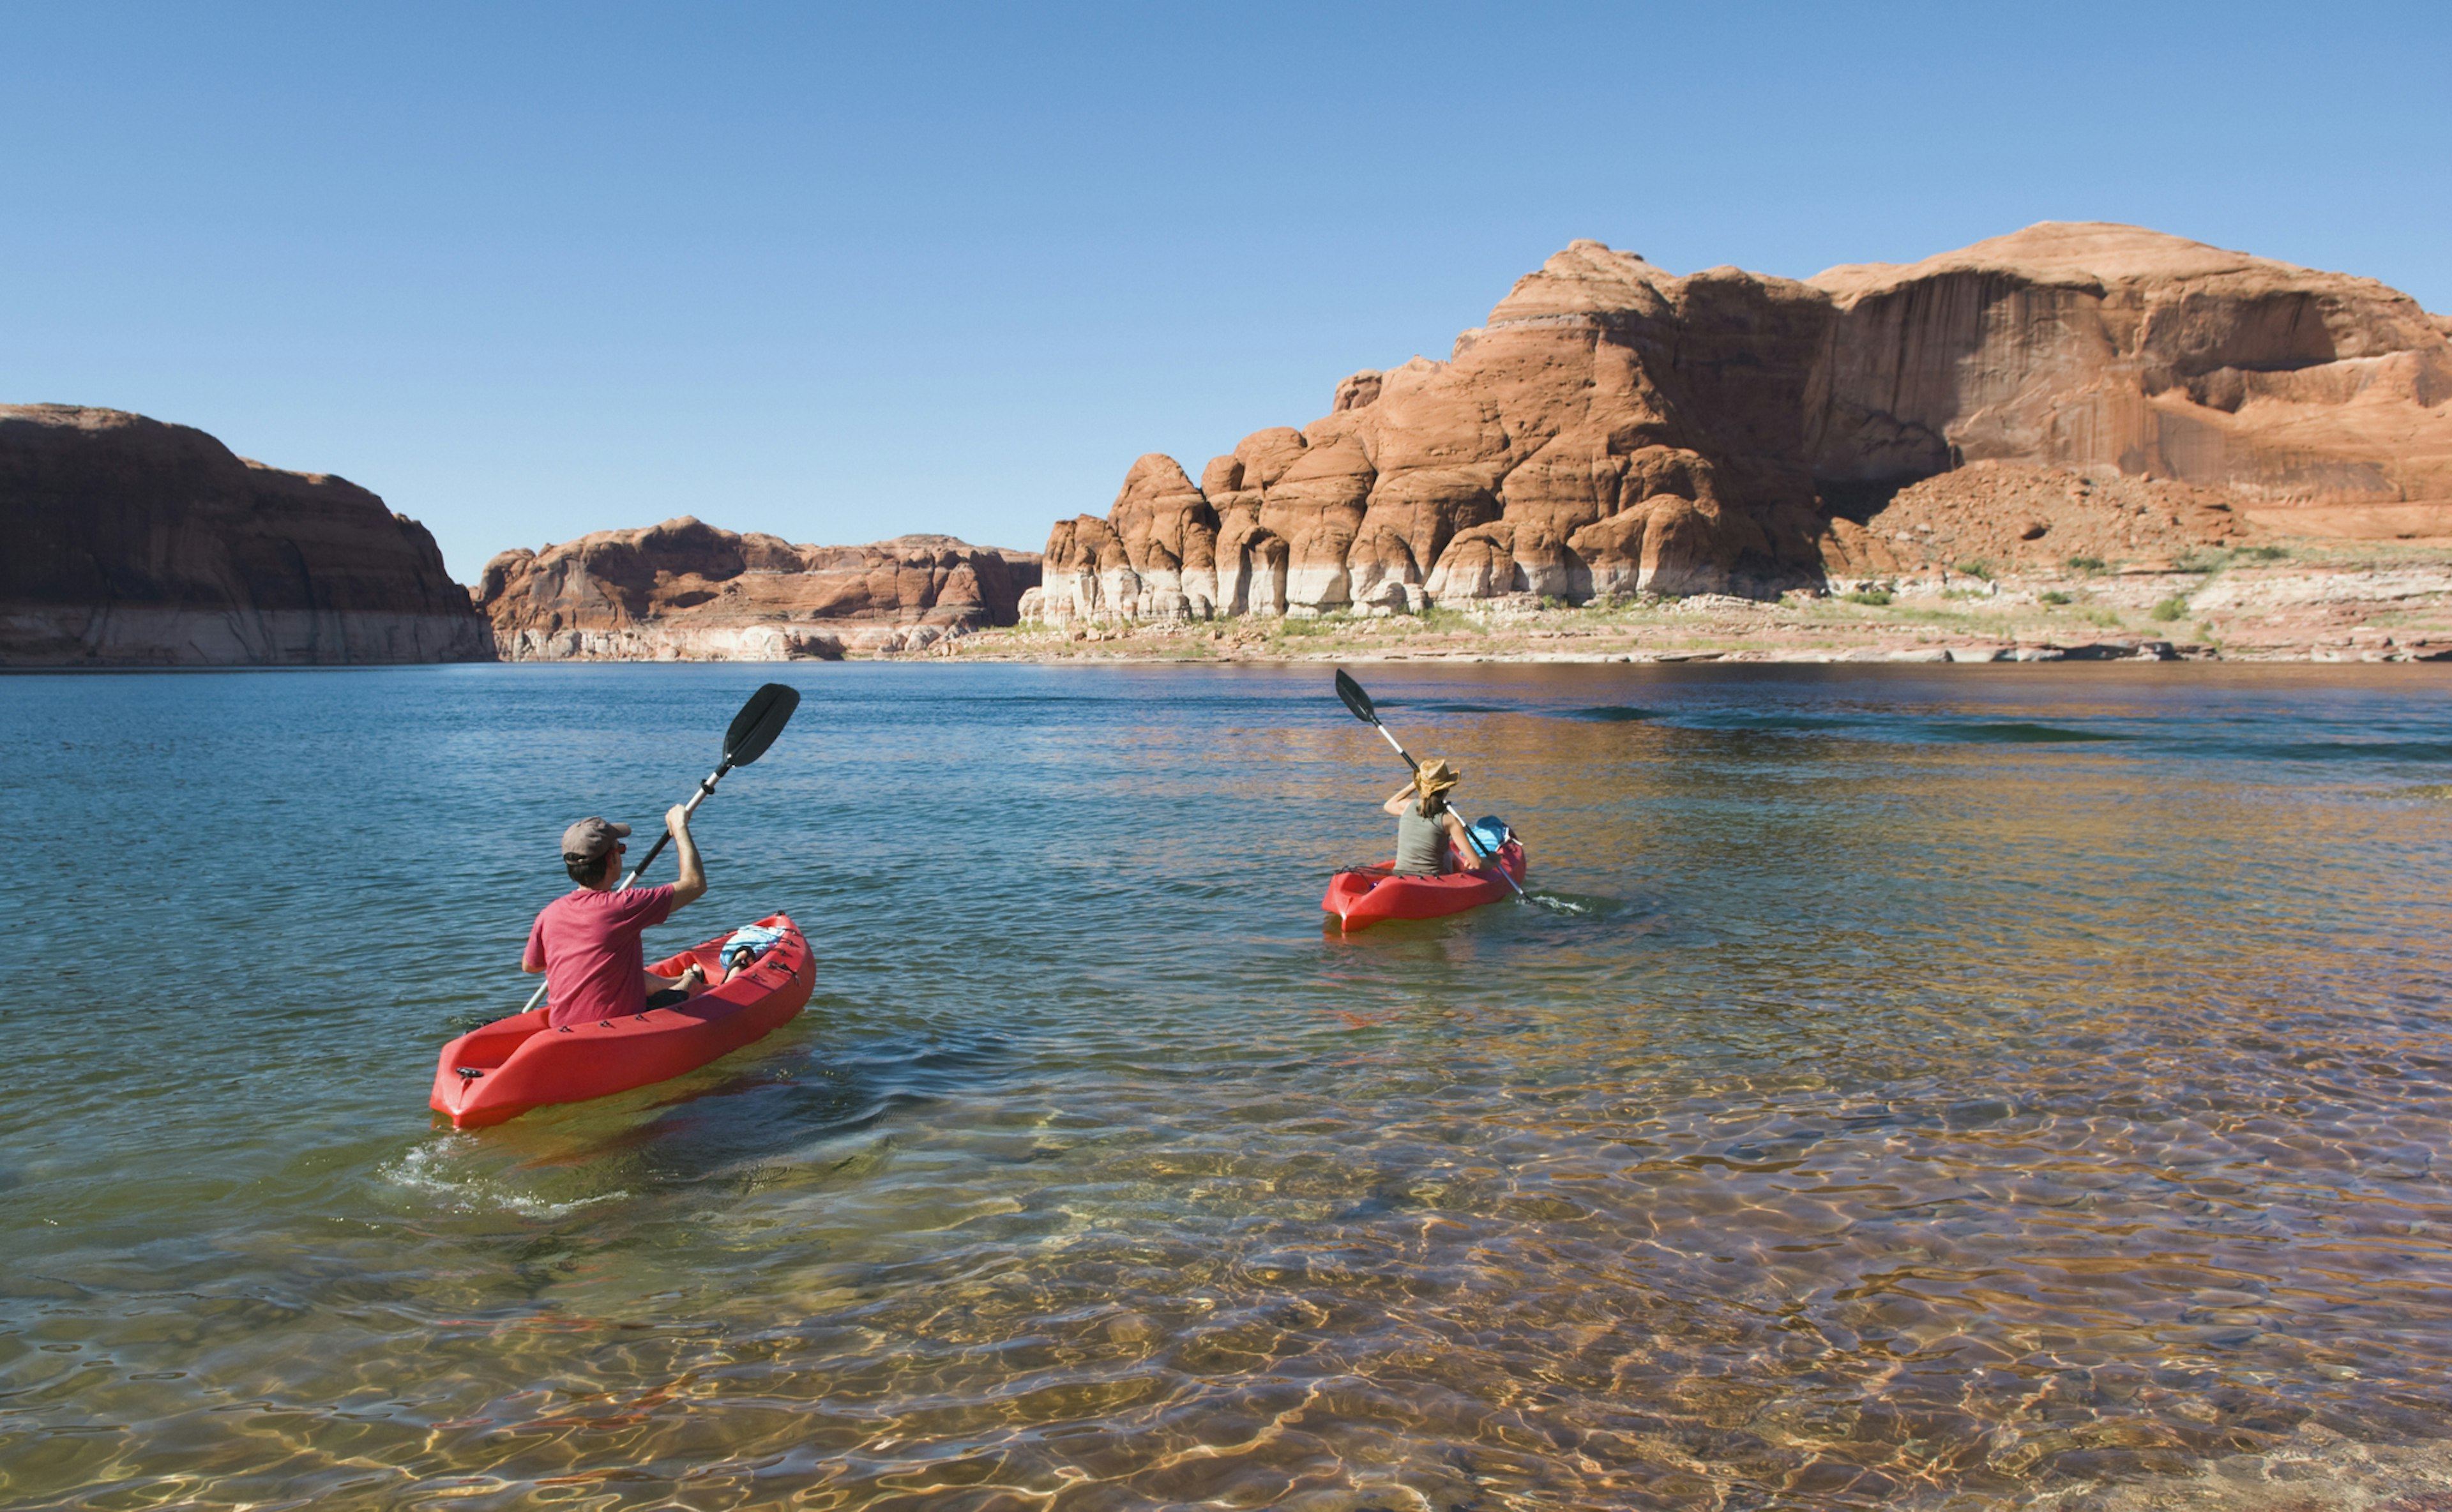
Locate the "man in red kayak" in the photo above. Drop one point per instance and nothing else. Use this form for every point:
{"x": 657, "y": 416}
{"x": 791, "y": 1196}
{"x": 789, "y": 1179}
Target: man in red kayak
{"x": 586, "y": 941}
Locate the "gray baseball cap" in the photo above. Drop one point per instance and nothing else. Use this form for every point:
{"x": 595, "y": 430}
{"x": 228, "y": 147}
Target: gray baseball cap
{"x": 592, "y": 837}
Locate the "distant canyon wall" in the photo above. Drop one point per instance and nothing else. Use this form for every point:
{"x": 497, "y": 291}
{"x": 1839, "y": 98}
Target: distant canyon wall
{"x": 137, "y": 543}
{"x": 1612, "y": 429}
{"x": 131, "y": 543}
{"x": 685, "y": 590}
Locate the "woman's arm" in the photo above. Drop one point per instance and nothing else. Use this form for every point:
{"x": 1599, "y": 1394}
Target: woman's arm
{"x": 1396, "y": 804}
{"x": 1463, "y": 842}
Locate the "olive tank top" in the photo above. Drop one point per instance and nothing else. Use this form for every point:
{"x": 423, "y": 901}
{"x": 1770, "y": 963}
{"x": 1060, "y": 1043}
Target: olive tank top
{"x": 1421, "y": 843}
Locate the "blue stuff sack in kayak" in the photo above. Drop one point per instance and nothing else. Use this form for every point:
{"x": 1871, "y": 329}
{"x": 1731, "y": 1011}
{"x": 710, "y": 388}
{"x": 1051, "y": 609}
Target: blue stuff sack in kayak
{"x": 753, "y": 940}
{"x": 1491, "y": 831}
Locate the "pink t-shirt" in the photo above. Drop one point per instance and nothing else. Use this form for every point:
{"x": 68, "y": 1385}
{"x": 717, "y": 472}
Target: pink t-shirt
{"x": 588, "y": 944}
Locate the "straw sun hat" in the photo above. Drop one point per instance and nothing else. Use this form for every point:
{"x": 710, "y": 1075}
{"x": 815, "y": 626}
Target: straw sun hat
{"x": 1435, "y": 776}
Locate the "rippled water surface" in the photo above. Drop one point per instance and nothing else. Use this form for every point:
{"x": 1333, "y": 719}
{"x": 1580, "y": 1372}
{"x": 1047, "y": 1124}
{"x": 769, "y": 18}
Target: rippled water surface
{"x": 1911, "y": 1086}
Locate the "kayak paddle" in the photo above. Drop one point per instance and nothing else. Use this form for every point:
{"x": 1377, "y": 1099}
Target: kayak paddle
{"x": 1359, "y": 703}
{"x": 753, "y": 730}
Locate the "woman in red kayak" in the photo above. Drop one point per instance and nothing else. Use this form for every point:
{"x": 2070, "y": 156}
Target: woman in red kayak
{"x": 1426, "y": 825}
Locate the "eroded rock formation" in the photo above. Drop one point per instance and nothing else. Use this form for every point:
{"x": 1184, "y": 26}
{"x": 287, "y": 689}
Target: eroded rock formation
{"x": 686, "y": 590}
{"x": 133, "y": 542}
{"x": 2111, "y": 347}
{"x": 1614, "y": 429}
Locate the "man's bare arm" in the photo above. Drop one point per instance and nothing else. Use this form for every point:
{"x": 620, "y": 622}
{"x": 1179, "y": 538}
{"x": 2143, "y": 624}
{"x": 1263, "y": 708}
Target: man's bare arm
{"x": 691, "y": 885}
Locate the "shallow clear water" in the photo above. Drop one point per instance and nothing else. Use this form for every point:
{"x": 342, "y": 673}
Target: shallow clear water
{"x": 1912, "y": 1086}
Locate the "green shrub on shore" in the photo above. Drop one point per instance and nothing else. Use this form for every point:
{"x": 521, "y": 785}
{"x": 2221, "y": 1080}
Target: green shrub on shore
{"x": 2214, "y": 559}
{"x": 2170, "y": 609}
{"x": 1313, "y": 624}
{"x": 2086, "y": 564}
{"x": 1876, "y": 596}
{"x": 2052, "y": 595}
{"x": 1975, "y": 569}
{"x": 2104, "y": 618}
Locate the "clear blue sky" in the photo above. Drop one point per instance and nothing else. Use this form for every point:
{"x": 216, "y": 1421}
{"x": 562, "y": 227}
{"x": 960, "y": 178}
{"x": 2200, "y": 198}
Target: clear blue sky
{"x": 528, "y": 270}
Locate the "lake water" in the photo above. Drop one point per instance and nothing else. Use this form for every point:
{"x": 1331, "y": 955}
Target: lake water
{"x": 1914, "y": 1086}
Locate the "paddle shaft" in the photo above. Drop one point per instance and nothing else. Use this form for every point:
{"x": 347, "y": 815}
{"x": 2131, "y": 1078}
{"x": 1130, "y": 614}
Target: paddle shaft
{"x": 706, "y": 789}
{"x": 1470, "y": 841}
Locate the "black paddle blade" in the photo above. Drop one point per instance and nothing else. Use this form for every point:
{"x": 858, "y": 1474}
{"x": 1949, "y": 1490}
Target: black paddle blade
{"x": 759, "y": 722}
{"x": 1355, "y": 698}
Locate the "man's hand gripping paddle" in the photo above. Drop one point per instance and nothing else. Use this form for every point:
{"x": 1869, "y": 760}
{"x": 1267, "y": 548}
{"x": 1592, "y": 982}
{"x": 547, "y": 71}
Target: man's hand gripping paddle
{"x": 1359, "y": 703}
{"x": 753, "y": 730}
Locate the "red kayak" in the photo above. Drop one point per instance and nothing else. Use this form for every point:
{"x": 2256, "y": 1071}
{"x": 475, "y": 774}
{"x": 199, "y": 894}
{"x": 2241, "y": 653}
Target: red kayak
{"x": 1362, "y": 898}
{"x": 514, "y": 1064}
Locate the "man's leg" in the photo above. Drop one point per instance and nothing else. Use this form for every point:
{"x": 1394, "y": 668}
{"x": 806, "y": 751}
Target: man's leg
{"x": 661, "y": 990}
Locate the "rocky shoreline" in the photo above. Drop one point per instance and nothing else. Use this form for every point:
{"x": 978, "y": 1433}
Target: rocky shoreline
{"x": 2312, "y": 601}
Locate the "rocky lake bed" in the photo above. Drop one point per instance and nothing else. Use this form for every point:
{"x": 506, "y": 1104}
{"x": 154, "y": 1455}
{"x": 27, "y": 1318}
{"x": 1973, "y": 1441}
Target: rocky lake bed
{"x": 1906, "y": 1089}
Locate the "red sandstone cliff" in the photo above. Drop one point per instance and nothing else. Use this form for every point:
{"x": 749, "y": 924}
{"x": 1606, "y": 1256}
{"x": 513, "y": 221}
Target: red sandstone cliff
{"x": 685, "y": 590}
{"x": 133, "y": 542}
{"x": 1612, "y": 429}
{"x": 2314, "y": 396}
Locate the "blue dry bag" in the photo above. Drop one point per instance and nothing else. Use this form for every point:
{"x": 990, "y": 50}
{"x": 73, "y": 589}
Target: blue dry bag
{"x": 1491, "y": 831}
